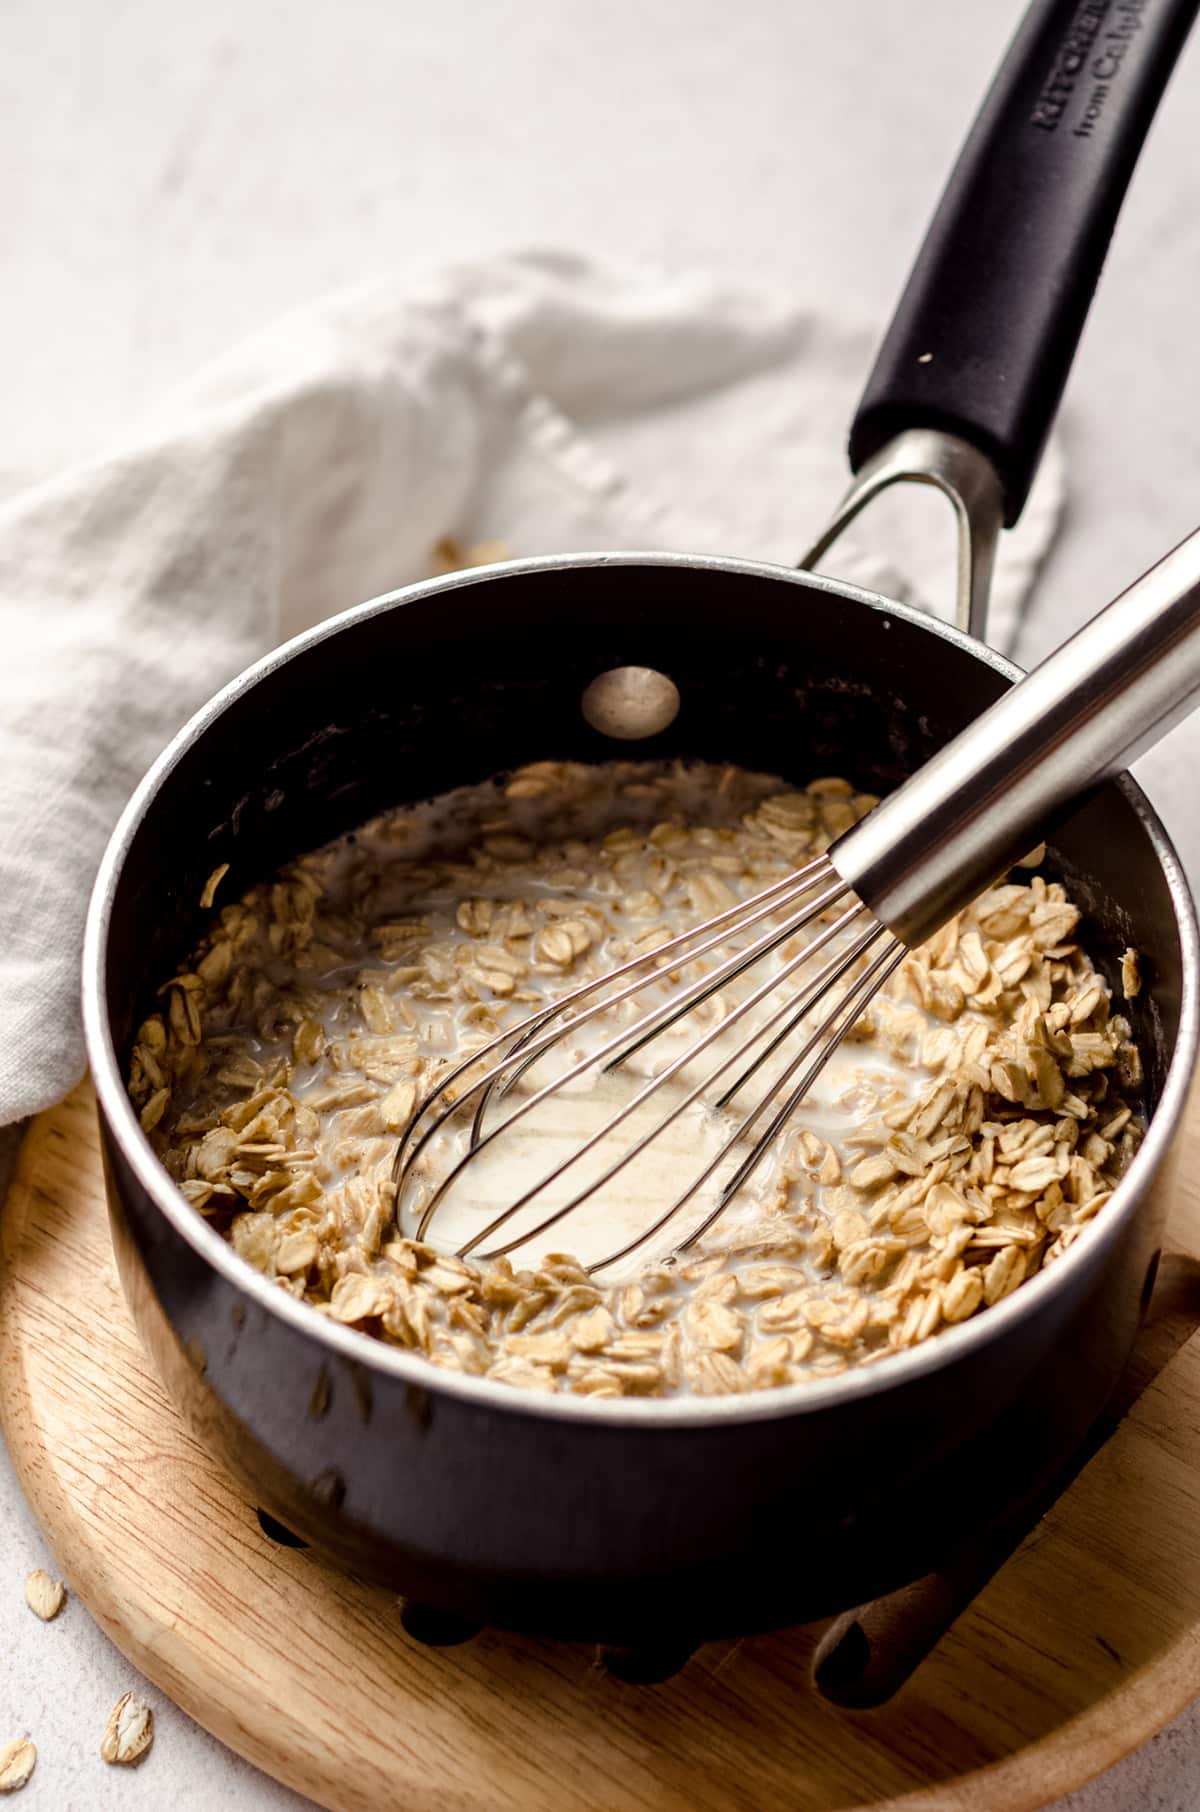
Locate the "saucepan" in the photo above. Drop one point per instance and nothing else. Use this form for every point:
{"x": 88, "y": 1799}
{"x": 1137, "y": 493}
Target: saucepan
{"x": 619, "y": 1520}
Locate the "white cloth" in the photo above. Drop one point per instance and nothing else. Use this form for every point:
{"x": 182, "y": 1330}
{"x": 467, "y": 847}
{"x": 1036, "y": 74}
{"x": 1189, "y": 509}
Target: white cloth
{"x": 537, "y": 400}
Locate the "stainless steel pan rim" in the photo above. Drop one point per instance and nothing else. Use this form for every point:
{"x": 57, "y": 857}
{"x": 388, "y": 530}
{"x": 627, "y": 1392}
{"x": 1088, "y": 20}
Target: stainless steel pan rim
{"x": 785, "y": 1401}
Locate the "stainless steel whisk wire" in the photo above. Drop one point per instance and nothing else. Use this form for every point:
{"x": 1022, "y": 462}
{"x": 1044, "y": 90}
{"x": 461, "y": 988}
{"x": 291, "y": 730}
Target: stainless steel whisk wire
{"x": 766, "y": 901}
{"x": 529, "y": 1040}
{"x": 875, "y": 976}
{"x": 828, "y": 976}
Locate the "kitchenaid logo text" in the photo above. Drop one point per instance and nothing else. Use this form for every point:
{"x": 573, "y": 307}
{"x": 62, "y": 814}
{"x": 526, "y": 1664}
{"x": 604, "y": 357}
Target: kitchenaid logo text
{"x": 1091, "y": 51}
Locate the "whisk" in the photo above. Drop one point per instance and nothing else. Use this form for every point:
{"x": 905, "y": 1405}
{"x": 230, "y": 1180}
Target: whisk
{"x": 878, "y": 893}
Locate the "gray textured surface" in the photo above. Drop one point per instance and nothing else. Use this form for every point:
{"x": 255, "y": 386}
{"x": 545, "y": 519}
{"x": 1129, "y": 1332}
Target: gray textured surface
{"x": 171, "y": 179}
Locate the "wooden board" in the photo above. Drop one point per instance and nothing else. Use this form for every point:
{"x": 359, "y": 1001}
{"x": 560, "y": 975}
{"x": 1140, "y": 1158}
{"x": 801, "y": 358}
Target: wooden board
{"x": 1084, "y": 1644}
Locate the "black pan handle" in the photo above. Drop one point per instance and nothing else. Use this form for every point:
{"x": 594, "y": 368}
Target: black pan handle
{"x": 987, "y": 327}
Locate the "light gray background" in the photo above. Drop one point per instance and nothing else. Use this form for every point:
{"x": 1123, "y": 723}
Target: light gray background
{"x": 172, "y": 178}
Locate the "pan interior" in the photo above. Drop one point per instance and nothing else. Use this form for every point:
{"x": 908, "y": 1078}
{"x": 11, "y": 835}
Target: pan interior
{"x": 451, "y": 684}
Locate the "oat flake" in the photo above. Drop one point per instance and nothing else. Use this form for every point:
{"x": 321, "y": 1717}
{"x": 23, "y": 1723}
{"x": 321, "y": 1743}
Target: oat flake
{"x": 44, "y": 1596}
{"x": 129, "y": 1731}
{"x": 16, "y": 1764}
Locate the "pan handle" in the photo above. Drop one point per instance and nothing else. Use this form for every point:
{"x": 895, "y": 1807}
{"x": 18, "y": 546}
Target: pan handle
{"x": 987, "y": 327}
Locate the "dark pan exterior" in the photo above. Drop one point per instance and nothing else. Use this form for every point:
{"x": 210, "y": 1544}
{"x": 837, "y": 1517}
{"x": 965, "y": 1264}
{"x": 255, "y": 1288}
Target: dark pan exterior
{"x": 609, "y": 1521}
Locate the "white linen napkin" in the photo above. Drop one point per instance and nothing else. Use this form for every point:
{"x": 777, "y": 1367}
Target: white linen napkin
{"x": 540, "y": 401}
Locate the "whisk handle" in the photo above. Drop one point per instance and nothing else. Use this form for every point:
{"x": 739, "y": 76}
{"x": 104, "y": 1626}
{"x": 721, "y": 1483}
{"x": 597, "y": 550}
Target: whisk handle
{"x": 1108, "y": 693}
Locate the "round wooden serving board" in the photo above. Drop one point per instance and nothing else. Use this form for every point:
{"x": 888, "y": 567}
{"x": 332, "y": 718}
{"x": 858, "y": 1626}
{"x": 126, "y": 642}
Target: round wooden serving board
{"x": 1086, "y": 1642}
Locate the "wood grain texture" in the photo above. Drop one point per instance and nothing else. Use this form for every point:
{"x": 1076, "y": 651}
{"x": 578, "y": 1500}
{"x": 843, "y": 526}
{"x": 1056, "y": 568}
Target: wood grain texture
{"x": 1085, "y": 1643}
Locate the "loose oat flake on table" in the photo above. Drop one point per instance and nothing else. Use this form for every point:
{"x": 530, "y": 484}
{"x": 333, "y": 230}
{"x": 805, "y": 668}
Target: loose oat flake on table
{"x": 965, "y": 1136}
{"x": 129, "y": 1731}
{"x": 44, "y": 1596}
{"x": 17, "y": 1762}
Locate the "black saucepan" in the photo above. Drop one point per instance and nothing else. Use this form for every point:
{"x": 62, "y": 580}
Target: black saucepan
{"x": 615, "y": 1520}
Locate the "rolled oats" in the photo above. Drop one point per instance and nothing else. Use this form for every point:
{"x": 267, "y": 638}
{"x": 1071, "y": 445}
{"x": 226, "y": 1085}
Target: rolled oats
{"x": 17, "y": 1762}
{"x": 44, "y": 1596}
{"x": 985, "y": 1110}
{"x": 1131, "y": 980}
{"x": 129, "y": 1731}
{"x": 214, "y": 880}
